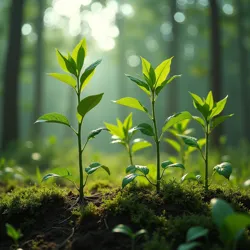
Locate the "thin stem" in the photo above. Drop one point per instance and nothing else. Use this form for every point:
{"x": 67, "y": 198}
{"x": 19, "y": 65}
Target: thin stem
{"x": 157, "y": 143}
{"x": 85, "y": 181}
{"x": 79, "y": 137}
{"x": 206, "y": 156}
{"x": 130, "y": 154}
{"x": 149, "y": 181}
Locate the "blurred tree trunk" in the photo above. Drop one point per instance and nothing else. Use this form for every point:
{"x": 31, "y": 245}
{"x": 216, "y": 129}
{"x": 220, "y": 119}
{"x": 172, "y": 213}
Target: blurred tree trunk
{"x": 216, "y": 63}
{"x": 11, "y": 73}
{"x": 243, "y": 67}
{"x": 39, "y": 69}
{"x": 172, "y": 89}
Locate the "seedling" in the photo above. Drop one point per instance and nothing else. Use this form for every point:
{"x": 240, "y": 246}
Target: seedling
{"x": 127, "y": 231}
{"x": 194, "y": 234}
{"x": 123, "y": 134}
{"x": 230, "y": 224}
{"x": 78, "y": 80}
{"x": 154, "y": 82}
{"x": 209, "y": 120}
{"x": 14, "y": 234}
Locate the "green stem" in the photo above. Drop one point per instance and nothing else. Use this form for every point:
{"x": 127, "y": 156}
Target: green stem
{"x": 206, "y": 156}
{"x": 157, "y": 143}
{"x": 79, "y": 137}
{"x": 130, "y": 154}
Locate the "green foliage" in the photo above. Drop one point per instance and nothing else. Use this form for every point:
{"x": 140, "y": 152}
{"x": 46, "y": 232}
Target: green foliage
{"x": 13, "y": 233}
{"x": 123, "y": 134}
{"x": 73, "y": 64}
{"x": 209, "y": 110}
{"x": 154, "y": 80}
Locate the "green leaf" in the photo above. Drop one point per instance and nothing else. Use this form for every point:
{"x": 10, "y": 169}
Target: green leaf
{"x": 170, "y": 121}
{"x": 162, "y": 71}
{"x": 54, "y": 118}
{"x": 145, "y": 128}
{"x": 218, "y": 120}
{"x": 115, "y": 130}
{"x": 174, "y": 144}
{"x": 62, "y": 61}
{"x": 195, "y": 233}
{"x": 148, "y": 72}
{"x": 190, "y": 176}
{"x": 95, "y": 132}
{"x": 141, "y": 84}
{"x": 134, "y": 168}
{"x": 167, "y": 81}
{"x": 169, "y": 164}
{"x": 128, "y": 122}
{"x": 189, "y": 246}
{"x": 199, "y": 120}
{"x": 80, "y": 59}
{"x": 12, "y": 232}
{"x": 68, "y": 79}
{"x": 81, "y": 44}
{"x": 87, "y": 74}
{"x": 88, "y": 103}
{"x": 233, "y": 225}
{"x": 94, "y": 166}
{"x": 71, "y": 65}
{"x": 196, "y": 99}
{"x": 50, "y": 175}
{"x": 139, "y": 144}
{"x": 140, "y": 232}
{"x": 129, "y": 178}
{"x": 123, "y": 229}
{"x": 219, "y": 106}
{"x": 210, "y": 100}
{"x": 220, "y": 210}
{"x": 190, "y": 141}
{"x": 132, "y": 103}
{"x": 224, "y": 169}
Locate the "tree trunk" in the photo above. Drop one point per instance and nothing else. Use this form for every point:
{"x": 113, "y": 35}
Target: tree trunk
{"x": 216, "y": 63}
{"x": 10, "y": 97}
{"x": 39, "y": 69}
{"x": 243, "y": 70}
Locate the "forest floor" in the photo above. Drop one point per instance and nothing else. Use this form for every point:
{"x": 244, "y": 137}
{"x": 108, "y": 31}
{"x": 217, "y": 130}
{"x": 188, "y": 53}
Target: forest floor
{"x": 49, "y": 218}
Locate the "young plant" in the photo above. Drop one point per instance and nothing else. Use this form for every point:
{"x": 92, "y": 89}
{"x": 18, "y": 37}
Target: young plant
{"x": 13, "y": 233}
{"x": 154, "y": 82}
{"x": 178, "y": 144}
{"x": 231, "y": 225}
{"x": 123, "y": 134}
{"x": 209, "y": 120}
{"x": 127, "y": 231}
{"x": 77, "y": 79}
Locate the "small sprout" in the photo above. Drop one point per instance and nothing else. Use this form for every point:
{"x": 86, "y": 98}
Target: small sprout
{"x": 13, "y": 233}
{"x": 127, "y": 231}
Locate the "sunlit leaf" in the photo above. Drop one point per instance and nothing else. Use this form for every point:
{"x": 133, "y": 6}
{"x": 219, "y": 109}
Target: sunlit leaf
{"x": 139, "y": 144}
{"x": 81, "y": 44}
{"x": 163, "y": 84}
{"x": 162, "y": 71}
{"x": 68, "y": 79}
{"x": 218, "y": 120}
{"x": 114, "y": 130}
{"x": 190, "y": 141}
{"x": 53, "y": 118}
{"x": 132, "y": 103}
{"x": 148, "y": 72}
{"x": 123, "y": 229}
{"x": 219, "y": 106}
{"x": 199, "y": 120}
{"x": 210, "y": 100}
{"x": 12, "y": 232}
{"x": 94, "y": 166}
{"x": 62, "y": 61}
{"x": 174, "y": 144}
{"x": 141, "y": 84}
{"x": 134, "y": 168}
{"x": 128, "y": 179}
{"x": 95, "y": 132}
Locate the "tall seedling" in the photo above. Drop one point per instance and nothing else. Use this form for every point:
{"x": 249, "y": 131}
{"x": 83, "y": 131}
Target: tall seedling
{"x": 77, "y": 79}
{"x": 152, "y": 84}
{"x": 209, "y": 120}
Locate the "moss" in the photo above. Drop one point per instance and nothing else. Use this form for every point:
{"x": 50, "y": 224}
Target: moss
{"x": 157, "y": 242}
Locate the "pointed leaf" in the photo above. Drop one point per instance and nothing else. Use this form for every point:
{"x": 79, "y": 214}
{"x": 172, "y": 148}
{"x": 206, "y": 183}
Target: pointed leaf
{"x": 81, "y": 44}
{"x": 12, "y": 232}
{"x": 190, "y": 141}
{"x": 68, "y": 79}
{"x": 167, "y": 81}
{"x": 50, "y": 175}
{"x": 114, "y": 130}
{"x": 195, "y": 233}
{"x": 88, "y": 103}
{"x": 219, "y": 106}
{"x": 148, "y": 72}
{"x": 145, "y": 128}
{"x": 174, "y": 144}
{"x": 196, "y": 99}
{"x": 170, "y": 121}
{"x": 94, "y": 166}
{"x": 129, "y": 178}
{"x": 139, "y": 144}
{"x": 210, "y": 100}
{"x": 95, "y": 132}
{"x": 54, "y": 118}
{"x": 141, "y": 84}
{"x": 165, "y": 164}
{"x": 140, "y": 232}
{"x": 128, "y": 122}
{"x": 61, "y": 61}
{"x": 224, "y": 169}
{"x": 87, "y": 74}
{"x": 134, "y": 168}
{"x": 190, "y": 176}
{"x": 199, "y": 120}
{"x": 218, "y": 120}
{"x": 162, "y": 71}
{"x": 132, "y": 103}
{"x": 174, "y": 165}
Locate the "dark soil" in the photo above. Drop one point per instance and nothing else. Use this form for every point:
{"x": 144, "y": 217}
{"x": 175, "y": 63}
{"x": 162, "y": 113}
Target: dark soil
{"x": 49, "y": 219}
